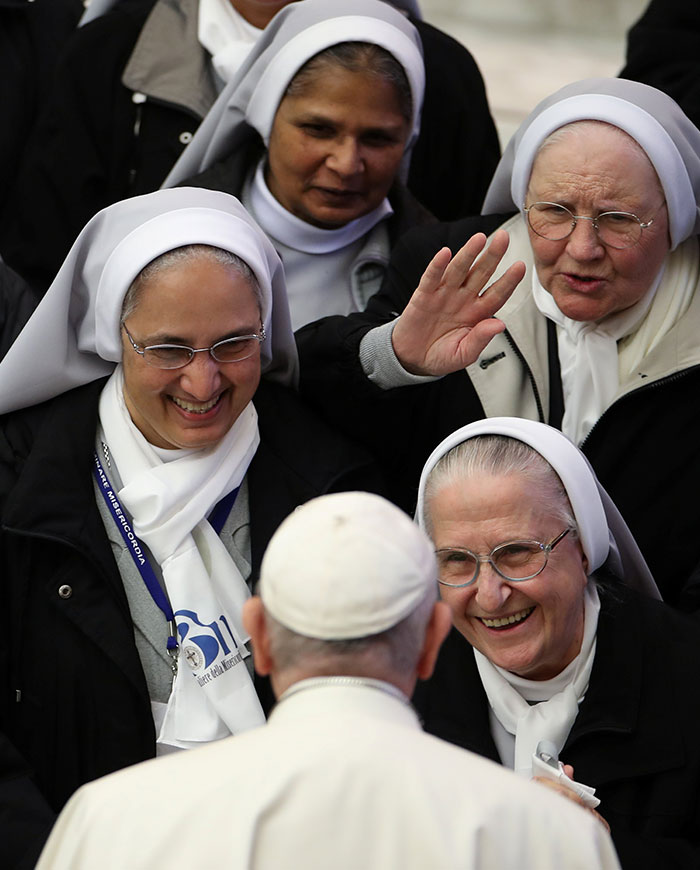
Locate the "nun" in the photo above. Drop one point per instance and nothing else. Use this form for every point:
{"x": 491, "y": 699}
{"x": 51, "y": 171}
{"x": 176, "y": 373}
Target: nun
{"x": 563, "y": 663}
{"x": 315, "y": 135}
{"x": 151, "y": 442}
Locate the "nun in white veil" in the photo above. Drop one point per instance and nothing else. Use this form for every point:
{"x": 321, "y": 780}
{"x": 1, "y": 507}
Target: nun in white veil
{"x": 314, "y": 134}
{"x": 552, "y": 604}
{"x": 150, "y": 441}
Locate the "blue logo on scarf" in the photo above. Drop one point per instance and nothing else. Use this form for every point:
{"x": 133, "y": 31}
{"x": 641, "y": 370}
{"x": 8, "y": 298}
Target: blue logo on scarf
{"x": 209, "y": 643}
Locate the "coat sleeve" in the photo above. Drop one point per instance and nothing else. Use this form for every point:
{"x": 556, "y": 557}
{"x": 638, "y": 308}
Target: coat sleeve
{"x": 399, "y": 426}
{"x": 25, "y": 816}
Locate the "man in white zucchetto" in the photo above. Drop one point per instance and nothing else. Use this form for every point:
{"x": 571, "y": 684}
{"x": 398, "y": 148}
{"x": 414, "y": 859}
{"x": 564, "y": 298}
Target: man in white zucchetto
{"x": 341, "y": 776}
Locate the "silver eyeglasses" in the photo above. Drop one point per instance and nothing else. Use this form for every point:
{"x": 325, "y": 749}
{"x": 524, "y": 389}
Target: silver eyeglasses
{"x": 515, "y": 561}
{"x": 175, "y": 356}
{"x": 615, "y": 229}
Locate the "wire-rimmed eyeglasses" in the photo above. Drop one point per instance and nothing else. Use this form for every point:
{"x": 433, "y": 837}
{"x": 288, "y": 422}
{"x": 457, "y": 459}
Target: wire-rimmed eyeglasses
{"x": 514, "y": 561}
{"x": 615, "y": 229}
{"x": 175, "y": 356}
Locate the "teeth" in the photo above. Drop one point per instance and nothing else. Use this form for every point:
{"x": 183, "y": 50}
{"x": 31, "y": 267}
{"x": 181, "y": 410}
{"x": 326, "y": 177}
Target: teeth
{"x": 507, "y": 620}
{"x": 198, "y": 408}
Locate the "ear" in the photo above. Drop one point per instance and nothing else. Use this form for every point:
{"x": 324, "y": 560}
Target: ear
{"x": 438, "y": 628}
{"x": 253, "y": 615}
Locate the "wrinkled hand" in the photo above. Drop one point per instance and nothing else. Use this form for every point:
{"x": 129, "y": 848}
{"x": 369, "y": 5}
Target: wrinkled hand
{"x": 566, "y": 792}
{"x": 447, "y": 324}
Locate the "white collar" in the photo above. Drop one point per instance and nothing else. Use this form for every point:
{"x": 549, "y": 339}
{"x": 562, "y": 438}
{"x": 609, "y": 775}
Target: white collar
{"x": 344, "y": 681}
{"x": 226, "y": 35}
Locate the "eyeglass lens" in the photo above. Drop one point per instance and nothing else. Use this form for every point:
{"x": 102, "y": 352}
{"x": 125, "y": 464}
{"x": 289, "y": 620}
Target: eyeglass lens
{"x": 555, "y": 222}
{"x": 517, "y": 560}
{"x": 172, "y": 356}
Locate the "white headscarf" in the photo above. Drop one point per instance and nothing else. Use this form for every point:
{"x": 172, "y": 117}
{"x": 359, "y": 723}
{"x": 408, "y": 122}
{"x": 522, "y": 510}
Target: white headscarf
{"x": 592, "y": 366}
{"x": 605, "y": 536}
{"x": 74, "y": 336}
{"x": 605, "y": 540}
{"x": 297, "y": 33}
{"x": 656, "y": 122}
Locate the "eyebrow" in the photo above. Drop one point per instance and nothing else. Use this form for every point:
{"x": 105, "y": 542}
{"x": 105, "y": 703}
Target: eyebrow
{"x": 166, "y": 338}
{"x": 316, "y": 118}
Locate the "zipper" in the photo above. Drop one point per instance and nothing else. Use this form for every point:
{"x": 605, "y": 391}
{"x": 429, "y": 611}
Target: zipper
{"x": 536, "y": 392}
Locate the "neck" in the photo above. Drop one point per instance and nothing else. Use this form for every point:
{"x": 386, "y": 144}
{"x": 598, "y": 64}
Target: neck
{"x": 256, "y": 13}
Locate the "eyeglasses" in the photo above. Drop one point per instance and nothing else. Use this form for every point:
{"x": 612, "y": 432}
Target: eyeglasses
{"x": 175, "y": 356}
{"x": 515, "y": 561}
{"x": 615, "y": 229}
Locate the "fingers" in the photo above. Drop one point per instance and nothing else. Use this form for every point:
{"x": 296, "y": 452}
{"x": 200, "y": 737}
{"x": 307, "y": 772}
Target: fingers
{"x": 433, "y": 275}
{"x": 475, "y": 263}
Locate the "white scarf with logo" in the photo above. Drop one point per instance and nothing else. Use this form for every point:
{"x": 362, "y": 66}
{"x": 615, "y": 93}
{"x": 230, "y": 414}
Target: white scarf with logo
{"x": 213, "y": 694}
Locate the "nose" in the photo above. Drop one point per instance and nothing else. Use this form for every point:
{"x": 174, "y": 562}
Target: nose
{"x": 492, "y": 591}
{"x": 201, "y": 377}
{"x": 345, "y": 157}
{"x": 584, "y": 242}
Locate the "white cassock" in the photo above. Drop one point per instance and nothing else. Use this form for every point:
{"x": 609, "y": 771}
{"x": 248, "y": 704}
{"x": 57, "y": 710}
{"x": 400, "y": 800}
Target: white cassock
{"x": 341, "y": 777}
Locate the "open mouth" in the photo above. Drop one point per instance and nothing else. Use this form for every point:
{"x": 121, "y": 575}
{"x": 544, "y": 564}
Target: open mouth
{"x": 507, "y": 621}
{"x": 196, "y": 407}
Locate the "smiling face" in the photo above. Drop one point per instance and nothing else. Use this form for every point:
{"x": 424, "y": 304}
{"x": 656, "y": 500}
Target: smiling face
{"x": 546, "y": 630}
{"x": 196, "y": 303}
{"x": 336, "y": 147}
{"x": 595, "y": 168}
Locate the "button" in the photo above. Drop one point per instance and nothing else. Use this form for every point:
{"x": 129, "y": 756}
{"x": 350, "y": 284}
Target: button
{"x": 65, "y": 591}
{"x": 185, "y": 138}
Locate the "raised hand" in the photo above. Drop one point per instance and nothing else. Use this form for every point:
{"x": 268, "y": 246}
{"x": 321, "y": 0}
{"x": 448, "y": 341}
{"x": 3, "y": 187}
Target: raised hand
{"x": 449, "y": 319}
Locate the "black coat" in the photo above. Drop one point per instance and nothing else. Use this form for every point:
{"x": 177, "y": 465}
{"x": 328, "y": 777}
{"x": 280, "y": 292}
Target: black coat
{"x": 74, "y": 700}
{"x": 643, "y": 449}
{"x": 93, "y": 145}
{"x": 634, "y": 739}
{"x": 17, "y": 302}
{"x": 32, "y": 35}
{"x": 663, "y": 50}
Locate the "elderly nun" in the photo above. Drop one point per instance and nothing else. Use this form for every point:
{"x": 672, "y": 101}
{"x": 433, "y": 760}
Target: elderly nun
{"x": 561, "y": 650}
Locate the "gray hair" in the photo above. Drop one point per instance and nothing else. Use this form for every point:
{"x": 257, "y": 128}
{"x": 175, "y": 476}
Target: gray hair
{"x": 562, "y": 133}
{"x": 495, "y": 456}
{"x": 365, "y": 57}
{"x": 395, "y": 650}
{"x": 182, "y": 255}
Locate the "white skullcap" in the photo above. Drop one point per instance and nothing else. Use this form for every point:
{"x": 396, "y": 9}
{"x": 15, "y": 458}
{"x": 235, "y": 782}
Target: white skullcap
{"x": 346, "y": 565}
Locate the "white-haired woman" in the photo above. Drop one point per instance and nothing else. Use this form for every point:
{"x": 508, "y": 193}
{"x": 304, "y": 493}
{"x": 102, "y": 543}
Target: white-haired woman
{"x": 559, "y": 644}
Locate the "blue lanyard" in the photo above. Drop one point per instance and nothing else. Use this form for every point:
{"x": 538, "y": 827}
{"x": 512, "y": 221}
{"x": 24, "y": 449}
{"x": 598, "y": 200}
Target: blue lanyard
{"x": 135, "y": 547}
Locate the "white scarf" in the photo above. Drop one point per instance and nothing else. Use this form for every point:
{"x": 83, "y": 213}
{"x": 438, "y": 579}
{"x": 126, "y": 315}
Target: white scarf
{"x": 213, "y": 695}
{"x": 596, "y": 358}
{"x": 299, "y": 235}
{"x": 551, "y": 718}
{"x": 226, "y": 35}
